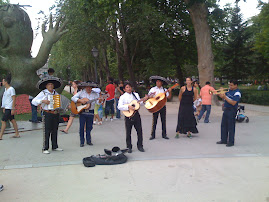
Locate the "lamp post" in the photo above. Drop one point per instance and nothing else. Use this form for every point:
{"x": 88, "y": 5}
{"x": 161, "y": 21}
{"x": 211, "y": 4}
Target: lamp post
{"x": 95, "y": 55}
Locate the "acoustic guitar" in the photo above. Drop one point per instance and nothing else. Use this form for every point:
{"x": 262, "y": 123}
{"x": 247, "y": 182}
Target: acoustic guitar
{"x": 136, "y": 105}
{"x": 155, "y": 104}
{"x": 131, "y": 112}
{"x": 77, "y": 108}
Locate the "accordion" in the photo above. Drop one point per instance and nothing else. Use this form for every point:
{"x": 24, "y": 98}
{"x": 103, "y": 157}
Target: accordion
{"x": 55, "y": 102}
{"x": 59, "y": 102}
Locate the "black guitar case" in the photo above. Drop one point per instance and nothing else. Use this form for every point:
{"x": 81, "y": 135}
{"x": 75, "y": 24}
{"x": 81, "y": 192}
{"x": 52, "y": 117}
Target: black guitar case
{"x": 111, "y": 157}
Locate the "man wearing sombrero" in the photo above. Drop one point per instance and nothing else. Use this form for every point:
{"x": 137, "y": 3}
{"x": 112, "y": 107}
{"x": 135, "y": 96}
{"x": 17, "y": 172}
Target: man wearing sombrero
{"x": 50, "y": 117}
{"x": 160, "y": 81}
{"x": 87, "y": 95}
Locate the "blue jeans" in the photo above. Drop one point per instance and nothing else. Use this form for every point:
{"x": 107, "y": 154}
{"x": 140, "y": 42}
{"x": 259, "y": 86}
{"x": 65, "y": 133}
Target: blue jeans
{"x": 88, "y": 119}
{"x": 34, "y": 111}
{"x": 206, "y": 108}
{"x": 109, "y": 107}
{"x": 228, "y": 125}
{"x": 117, "y": 110}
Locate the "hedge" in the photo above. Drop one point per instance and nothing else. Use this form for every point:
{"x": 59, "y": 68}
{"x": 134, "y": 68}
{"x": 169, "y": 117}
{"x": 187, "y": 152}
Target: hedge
{"x": 249, "y": 96}
{"x": 255, "y": 97}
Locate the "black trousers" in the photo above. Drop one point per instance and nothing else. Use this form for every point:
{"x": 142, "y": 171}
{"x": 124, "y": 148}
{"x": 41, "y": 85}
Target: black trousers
{"x": 136, "y": 122}
{"x": 155, "y": 115}
{"x": 228, "y": 125}
{"x": 50, "y": 130}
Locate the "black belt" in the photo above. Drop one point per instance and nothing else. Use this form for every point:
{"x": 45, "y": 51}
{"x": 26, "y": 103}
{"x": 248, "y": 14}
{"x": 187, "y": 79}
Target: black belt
{"x": 51, "y": 112}
{"x": 88, "y": 111}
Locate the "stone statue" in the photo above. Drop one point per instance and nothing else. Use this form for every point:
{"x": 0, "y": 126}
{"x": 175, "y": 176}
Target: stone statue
{"x": 16, "y": 38}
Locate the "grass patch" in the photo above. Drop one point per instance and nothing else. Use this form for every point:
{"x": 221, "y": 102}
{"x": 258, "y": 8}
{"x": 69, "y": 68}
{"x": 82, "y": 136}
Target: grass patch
{"x": 23, "y": 117}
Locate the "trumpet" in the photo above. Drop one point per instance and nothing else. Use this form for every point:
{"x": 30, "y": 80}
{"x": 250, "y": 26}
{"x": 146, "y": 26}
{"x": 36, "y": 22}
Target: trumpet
{"x": 219, "y": 91}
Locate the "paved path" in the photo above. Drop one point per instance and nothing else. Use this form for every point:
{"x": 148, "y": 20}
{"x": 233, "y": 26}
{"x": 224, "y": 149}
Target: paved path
{"x": 216, "y": 179}
{"x": 251, "y": 140}
{"x": 170, "y": 170}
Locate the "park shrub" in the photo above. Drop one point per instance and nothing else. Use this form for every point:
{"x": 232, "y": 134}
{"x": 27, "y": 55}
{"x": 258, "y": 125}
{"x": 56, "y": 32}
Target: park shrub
{"x": 251, "y": 96}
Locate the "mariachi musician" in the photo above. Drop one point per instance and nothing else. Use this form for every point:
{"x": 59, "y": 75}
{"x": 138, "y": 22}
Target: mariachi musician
{"x": 134, "y": 120}
{"x": 160, "y": 81}
{"x": 50, "y": 116}
{"x": 87, "y": 95}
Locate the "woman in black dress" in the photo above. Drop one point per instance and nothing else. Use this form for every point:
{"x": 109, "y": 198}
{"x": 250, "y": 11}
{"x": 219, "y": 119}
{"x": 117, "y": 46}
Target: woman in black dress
{"x": 186, "y": 122}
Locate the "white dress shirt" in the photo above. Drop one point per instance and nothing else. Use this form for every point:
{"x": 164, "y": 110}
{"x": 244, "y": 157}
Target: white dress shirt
{"x": 83, "y": 94}
{"x": 126, "y": 98}
{"x": 43, "y": 95}
{"x": 157, "y": 90}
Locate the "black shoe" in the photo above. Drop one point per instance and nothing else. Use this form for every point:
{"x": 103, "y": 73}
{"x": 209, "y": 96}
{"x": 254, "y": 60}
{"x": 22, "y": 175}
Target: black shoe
{"x": 151, "y": 138}
{"x": 89, "y": 144}
{"x": 229, "y": 144}
{"x": 167, "y": 138}
{"x": 141, "y": 149}
{"x": 220, "y": 142}
{"x": 81, "y": 145}
{"x": 129, "y": 150}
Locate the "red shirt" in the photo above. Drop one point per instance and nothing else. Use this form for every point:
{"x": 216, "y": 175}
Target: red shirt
{"x": 110, "y": 88}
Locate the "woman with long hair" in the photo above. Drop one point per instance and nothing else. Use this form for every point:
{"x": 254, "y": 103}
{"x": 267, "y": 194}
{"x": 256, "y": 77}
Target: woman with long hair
{"x": 186, "y": 122}
{"x": 72, "y": 116}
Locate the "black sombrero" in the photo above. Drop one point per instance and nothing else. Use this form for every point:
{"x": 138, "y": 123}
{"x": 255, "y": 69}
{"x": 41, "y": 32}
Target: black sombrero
{"x": 115, "y": 151}
{"x": 41, "y": 84}
{"x": 155, "y": 78}
{"x": 88, "y": 84}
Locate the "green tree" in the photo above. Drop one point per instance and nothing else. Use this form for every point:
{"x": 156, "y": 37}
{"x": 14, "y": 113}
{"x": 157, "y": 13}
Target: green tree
{"x": 237, "y": 50}
{"x": 262, "y": 23}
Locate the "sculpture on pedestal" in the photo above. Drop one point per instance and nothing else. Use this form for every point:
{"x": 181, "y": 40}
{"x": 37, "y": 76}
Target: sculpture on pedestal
{"x": 16, "y": 38}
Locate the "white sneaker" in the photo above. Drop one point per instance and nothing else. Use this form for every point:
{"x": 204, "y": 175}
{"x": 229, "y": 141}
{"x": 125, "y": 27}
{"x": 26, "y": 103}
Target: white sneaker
{"x": 100, "y": 123}
{"x": 58, "y": 149}
{"x": 46, "y": 152}
{"x": 106, "y": 119}
{"x": 111, "y": 119}
{"x": 94, "y": 123}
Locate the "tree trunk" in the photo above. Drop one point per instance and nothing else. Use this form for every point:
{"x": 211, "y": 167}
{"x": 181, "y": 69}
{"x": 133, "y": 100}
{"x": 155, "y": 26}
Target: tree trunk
{"x": 199, "y": 13}
{"x": 90, "y": 73}
{"x": 126, "y": 53}
{"x": 180, "y": 75}
{"x": 106, "y": 66}
{"x": 118, "y": 52}
{"x": 127, "y": 58}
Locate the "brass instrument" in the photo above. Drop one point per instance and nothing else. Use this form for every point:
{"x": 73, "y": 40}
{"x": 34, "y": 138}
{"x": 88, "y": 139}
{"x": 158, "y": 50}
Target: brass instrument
{"x": 219, "y": 91}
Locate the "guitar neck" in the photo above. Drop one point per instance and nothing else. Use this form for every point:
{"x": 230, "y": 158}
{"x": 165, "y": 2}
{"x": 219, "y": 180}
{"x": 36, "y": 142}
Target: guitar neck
{"x": 102, "y": 97}
{"x": 172, "y": 87}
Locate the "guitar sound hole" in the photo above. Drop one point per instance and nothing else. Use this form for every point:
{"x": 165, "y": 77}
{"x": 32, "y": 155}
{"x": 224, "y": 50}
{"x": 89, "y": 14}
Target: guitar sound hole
{"x": 133, "y": 105}
{"x": 157, "y": 98}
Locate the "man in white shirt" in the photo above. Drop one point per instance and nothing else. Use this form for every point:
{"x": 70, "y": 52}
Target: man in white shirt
{"x": 8, "y": 105}
{"x": 160, "y": 81}
{"x": 134, "y": 120}
{"x": 50, "y": 116}
{"x": 86, "y": 96}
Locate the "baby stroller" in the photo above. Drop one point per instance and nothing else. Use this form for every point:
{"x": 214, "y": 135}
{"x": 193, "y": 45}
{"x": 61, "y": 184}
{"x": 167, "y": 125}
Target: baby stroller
{"x": 240, "y": 117}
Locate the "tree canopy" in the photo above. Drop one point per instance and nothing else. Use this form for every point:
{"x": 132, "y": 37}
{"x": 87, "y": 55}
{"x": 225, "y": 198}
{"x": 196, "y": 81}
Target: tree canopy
{"x": 137, "y": 39}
